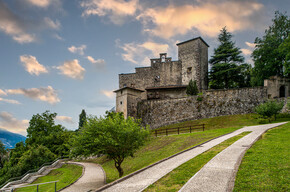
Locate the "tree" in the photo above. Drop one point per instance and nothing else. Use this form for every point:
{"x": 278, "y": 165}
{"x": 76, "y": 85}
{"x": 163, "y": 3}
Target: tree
{"x": 82, "y": 119}
{"x": 112, "y": 135}
{"x": 3, "y": 154}
{"x": 191, "y": 88}
{"x": 269, "y": 109}
{"x": 269, "y": 59}
{"x": 284, "y": 48}
{"x": 43, "y": 131}
{"x": 227, "y": 67}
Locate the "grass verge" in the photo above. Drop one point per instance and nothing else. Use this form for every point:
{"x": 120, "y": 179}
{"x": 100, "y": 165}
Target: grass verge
{"x": 157, "y": 149}
{"x": 66, "y": 175}
{"x": 174, "y": 180}
{"x": 265, "y": 166}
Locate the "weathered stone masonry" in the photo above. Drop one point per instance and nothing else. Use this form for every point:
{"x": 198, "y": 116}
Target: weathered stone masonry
{"x": 214, "y": 103}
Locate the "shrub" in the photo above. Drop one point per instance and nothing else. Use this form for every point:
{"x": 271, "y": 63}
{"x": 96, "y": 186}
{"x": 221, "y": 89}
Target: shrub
{"x": 199, "y": 98}
{"x": 270, "y": 108}
{"x": 191, "y": 88}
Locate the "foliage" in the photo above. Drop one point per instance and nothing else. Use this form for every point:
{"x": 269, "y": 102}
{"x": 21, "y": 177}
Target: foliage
{"x": 228, "y": 69}
{"x": 269, "y": 109}
{"x": 199, "y": 97}
{"x": 191, "y": 88}
{"x": 265, "y": 166}
{"x": 270, "y": 56}
{"x": 82, "y": 119}
{"x": 112, "y": 135}
{"x": 174, "y": 180}
{"x": 3, "y": 154}
{"x": 65, "y": 176}
{"x": 43, "y": 131}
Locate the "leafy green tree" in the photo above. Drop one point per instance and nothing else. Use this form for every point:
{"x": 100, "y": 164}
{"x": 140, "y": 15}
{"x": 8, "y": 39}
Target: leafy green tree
{"x": 191, "y": 88}
{"x": 269, "y": 109}
{"x": 43, "y": 131}
{"x": 3, "y": 154}
{"x": 228, "y": 69}
{"x": 284, "y": 49}
{"x": 269, "y": 58}
{"x": 112, "y": 135}
{"x": 82, "y": 119}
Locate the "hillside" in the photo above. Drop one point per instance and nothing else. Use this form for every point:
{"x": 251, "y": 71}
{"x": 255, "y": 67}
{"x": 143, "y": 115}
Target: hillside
{"x": 9, "y": 139}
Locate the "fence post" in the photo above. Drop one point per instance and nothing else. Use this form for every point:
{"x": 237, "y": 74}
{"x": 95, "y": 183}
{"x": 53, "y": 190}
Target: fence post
{"x": 202, "y": 127}
{"x": 156, "y": 133}
{"x": 178, "y": 130}
{"x": 190, "y": 129}
{"x": 55, "y": 187}
{"x": 37, "y": 188}
{"x": 166, "y": 133}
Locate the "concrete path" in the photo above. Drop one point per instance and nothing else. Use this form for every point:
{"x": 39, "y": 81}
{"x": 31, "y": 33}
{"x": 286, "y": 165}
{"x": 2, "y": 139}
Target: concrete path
{"x": 142, "y": 180}
{"x": 92, "y": 178}
{"x": 220, "y": 172}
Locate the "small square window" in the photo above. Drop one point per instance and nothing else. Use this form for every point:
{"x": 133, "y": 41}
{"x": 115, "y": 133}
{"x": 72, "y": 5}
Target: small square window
{"x": 121, "y": 102}
{"x": 189, "y": 69}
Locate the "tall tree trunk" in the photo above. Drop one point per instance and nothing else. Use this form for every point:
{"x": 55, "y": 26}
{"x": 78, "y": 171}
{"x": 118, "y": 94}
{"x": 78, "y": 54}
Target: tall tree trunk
{"x": 118, "y": 166}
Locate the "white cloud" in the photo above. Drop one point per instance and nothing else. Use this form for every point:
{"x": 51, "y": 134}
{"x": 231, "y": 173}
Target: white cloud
{"x": 2, "y": 92}
{"x": 58, "y": 37}
{"x": 14, "y": 26}
{"x": 72, "y": 69}
{"x": 47, "y": 94}
{"x": 79, "y": 50}
{"x": 32, "y": 66}
{"x": 65, "y": 119}
{"x": 207, "y": 17}
{"x": 108, "y": 93}
{"x": 246, "y": 51}
{"x": 52, "y": 24}
{"x": 251, "y": 45}
{"x": 10, "y": 123}
{"x": 117, "y": 10}
{"x": 43, "y": 3}
{"x": 141, "y": 53}
{"x": 11, "y": 101}
{"x": 99, "y": 63}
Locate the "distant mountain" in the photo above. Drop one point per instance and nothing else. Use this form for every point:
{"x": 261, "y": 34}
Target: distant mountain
{"x": 9, "y": 139}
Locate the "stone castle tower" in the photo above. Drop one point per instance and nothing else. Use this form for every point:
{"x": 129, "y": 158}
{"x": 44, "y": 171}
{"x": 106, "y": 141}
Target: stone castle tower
{"x": 165, "y": 78}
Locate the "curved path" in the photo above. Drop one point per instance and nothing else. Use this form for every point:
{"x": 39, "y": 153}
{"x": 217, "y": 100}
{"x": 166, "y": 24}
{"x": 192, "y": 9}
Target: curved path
{"x": 93, "y": 177}
{"x": 217, "y": 175}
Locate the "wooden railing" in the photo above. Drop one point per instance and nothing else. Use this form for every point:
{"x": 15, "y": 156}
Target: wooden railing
{"x": 178, "y": 130}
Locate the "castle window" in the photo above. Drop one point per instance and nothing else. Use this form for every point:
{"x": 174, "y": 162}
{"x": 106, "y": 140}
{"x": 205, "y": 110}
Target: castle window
{"x": 163, "y": 58}
{"x": 124, "y": 85}
{"x": 157, "y": 78}
{"x": 121, "y": 102}
{"x": 189, "y": 69}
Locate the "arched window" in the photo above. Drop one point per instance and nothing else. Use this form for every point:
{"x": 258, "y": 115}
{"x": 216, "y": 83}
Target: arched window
{"x": 282, "y": 91}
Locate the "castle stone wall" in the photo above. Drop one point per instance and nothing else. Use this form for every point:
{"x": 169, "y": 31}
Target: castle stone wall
{"x": 214, "y": 103}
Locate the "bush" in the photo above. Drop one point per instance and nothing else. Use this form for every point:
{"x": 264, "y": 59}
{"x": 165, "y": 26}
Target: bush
{"x": 192, "y": 89}
{"x": 199, "y": 98}
{"x": 270, "y": 108}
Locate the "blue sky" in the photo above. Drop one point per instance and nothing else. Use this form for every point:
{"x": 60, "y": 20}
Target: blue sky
{"x": 65, "y": 55}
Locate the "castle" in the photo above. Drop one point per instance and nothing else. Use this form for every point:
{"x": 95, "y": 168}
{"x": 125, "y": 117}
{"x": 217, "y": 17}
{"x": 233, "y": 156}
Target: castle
{"x": 149, "y": 92}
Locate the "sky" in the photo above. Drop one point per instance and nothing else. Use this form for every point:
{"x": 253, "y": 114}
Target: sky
{"x": 65, "y": 55}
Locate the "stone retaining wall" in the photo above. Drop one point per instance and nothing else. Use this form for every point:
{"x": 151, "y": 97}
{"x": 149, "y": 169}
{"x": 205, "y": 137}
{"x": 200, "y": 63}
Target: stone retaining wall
{"x": 212, "y": 103}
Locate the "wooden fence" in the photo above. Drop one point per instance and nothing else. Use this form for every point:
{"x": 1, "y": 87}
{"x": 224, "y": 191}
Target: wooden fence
{"x": 177, "y": 130}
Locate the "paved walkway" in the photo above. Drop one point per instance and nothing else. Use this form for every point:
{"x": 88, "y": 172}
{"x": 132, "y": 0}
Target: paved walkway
{"x": 216, "y": 175}
{"x": 92, "y": 178}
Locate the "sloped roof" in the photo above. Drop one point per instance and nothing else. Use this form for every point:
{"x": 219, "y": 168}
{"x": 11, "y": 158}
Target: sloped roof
{"x": 193, "y": 40}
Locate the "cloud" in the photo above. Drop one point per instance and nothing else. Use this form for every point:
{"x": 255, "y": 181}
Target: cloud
{"x": 11, "y": 101}
{"x": 108, "y": 93}
{"x": 79, "y": 50}
{"x": 58, "y": 37}
{"x": 52, "y": 24}
{"x": 246, "y": 51}
{"x": 135, "y": 52}
{"x": 10, "y": 123}
{"x": 65, "y": 119}
{"x": 208, "y": 17}
{"x": 32, "y": 66}
{"x": 99, "y": 63}
{"x": 14, "y": 26}
{"x": 2, "y": 92}
{"x": 117, "y": 10}
{"x": 251, "y": 45}
{"x": 72, "y": 69}
{"x": 47, "y": 94}
{"x": 43, "y": 3}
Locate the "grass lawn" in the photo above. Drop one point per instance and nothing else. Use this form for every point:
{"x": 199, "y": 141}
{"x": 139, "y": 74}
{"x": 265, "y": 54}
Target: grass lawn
{"x": 162, "y": 147}
{"x": 66, "y": 175}
{"x": 179, "y": 176}
{"x": 266, "y": 165}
